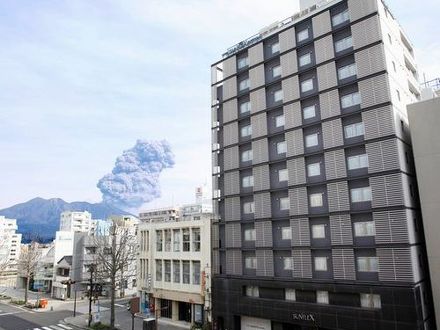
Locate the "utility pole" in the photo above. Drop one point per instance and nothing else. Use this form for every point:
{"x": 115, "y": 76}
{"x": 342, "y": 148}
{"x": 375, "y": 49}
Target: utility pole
{"x": 91, "y": 293}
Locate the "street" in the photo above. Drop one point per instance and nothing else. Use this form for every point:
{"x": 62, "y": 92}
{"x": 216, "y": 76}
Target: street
{"x": 17, "y": 318}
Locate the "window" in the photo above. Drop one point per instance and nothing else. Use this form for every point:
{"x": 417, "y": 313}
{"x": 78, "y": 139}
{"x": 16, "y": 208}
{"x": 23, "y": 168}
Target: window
{"x": 250, "y": 262}
{"x": 390, "y": 39}
{"x": 290, "y": 294}
{"x": 318, "y": 231}
{"x": 303, "y": 35}
{"x": 360, "y": 194}
{"x": 398, "y": 94}
{"x": 347, "y": 71}
{"x": 287, "y": 263}
{"x": 249, "y": 234}
{"x": 176, "y": 271}
{"x": 176, "y": 240}
{"x": 196, "y": 239}
{"x": 321, "y": 264}
{"x": 186, "y": 272}
{"x": 394, "y": 66}
{"x": 167, "y": 270}
{"x": 283, "y": 175}
{"x": 359, "y": 161}
{"x": 278, "y": 95}
{"x": 367, "y": 264}
{"x": 309, "y": 112}
{"x": 281, "y": 147}
{"x": 159, "y": 270}
{"x": 248, "y": 181}
{"x": 284, "y": 203}
{"x": 252, "y": 291}
{"x": 159, "y": 240}
{"x": 305, "y": 59}
{"x": 244, "y": 84}
{"x": 340, "y": 18}
{"x": 276, "y": 71}
{"x": 279, "y": 121}
{"x": 245, "y": 107}
{"x": 286, "y": 233}
{"x": 307, "y": 85}
{"x": 248, "y": 208}
{"x": 167, "y": 240}
{"x": 275, "y": 48}
{"x": 313, "y": 169}
{"x": 246, "y": 156}
{"x": 366, "y": 228}
{"x": 350, "y": 100}
{"x": 369, "y": 300}
{"x": 343, "y": 44}
{"x": 354, "y": 130}
{"x": 246, "y": 131}
{"x": 312, "y": 140}
{"x": 186, "y": 239}
{"x": 322, "y": 297}
{"x": 316, "y": 200}
{"x": 242, "y": 62}
{"x": 196, "y": 272}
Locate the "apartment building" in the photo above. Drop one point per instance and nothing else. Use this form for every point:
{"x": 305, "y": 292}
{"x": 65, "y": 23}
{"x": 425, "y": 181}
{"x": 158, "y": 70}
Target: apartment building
{"x": 174, "y": 264}
{"x": 88, "y": 246}
{"x": 317, "y": 220}
{"x": 424, "y": 118}
{"x": 76, "y": 221}
{"x": 10, "y": 242}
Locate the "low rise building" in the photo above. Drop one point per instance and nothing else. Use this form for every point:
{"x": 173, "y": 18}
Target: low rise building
{"x": 174, "y": 264}
{"x": 62, "y": 289}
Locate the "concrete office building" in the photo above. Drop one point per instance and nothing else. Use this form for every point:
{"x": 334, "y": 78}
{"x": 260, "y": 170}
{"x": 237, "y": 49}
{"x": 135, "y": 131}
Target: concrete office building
{"x": 174, "y": 264}
{"x": 424, "y": 119}
{"x": 317, "y": 224}
{"x": 10, "y": 247}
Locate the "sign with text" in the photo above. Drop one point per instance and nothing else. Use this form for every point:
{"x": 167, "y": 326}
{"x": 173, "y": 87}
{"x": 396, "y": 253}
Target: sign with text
{"x": 304, "y": 317}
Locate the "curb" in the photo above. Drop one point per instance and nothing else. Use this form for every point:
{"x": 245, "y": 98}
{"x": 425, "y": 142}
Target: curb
{"x": 75, "y": 325}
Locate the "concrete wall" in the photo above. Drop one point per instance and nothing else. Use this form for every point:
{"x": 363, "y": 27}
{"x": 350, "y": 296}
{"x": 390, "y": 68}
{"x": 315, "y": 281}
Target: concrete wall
{"x": 424, "y": 119}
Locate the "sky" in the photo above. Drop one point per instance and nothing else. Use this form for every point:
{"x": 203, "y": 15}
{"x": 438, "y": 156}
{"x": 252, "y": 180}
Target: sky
{"x": 83, "y": 80}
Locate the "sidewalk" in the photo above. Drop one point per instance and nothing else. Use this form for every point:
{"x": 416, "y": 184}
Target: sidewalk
{"x": 123, "y": 322}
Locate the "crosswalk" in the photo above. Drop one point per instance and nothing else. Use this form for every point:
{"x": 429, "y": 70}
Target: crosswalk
{"x": 54, "y": 327}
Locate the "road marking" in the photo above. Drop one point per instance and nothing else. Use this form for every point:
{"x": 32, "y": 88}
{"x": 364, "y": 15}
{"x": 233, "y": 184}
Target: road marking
{"x": 56, "y": 327}
{"x": 120, "y": 305}
{"x": 47, "y": 328}
{"x": 64, "y": 326}
{"x": 10, "y": 313}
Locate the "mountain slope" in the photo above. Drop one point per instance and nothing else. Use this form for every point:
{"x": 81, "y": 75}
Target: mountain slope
{"x": 42, "y": 216}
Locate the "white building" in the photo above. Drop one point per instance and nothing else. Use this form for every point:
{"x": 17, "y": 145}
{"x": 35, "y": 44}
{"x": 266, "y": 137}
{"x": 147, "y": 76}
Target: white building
{"x": 76, "y": 221}
{"x": 85, "y": 253}
{"x": 9, "y": 251}
{"x": 174, "y": 264}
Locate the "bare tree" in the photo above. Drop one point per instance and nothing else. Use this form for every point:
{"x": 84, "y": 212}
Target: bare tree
{"x": 116, "y": 258}
{"x": 29, "y": 257}
{"x": 4, "y": 253}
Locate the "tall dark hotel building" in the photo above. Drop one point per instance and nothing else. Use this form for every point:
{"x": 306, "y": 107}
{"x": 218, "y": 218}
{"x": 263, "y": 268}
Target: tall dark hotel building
{"x": 317, "y": 221}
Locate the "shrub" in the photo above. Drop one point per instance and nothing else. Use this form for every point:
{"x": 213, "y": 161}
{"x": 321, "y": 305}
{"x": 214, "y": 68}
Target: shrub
{"x": 101, "y": 326}
{"x": 17, "y": 302}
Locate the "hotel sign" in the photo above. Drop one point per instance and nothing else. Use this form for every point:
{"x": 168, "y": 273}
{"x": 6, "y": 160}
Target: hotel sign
{"x": 304, "y": 317}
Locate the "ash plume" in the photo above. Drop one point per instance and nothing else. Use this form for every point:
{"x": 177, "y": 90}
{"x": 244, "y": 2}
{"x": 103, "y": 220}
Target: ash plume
{"x": 135, "y": 178}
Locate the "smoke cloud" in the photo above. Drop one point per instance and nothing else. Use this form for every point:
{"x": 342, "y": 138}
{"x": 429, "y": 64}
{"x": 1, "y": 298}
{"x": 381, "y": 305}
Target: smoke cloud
{"x": 135, "y": 178}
